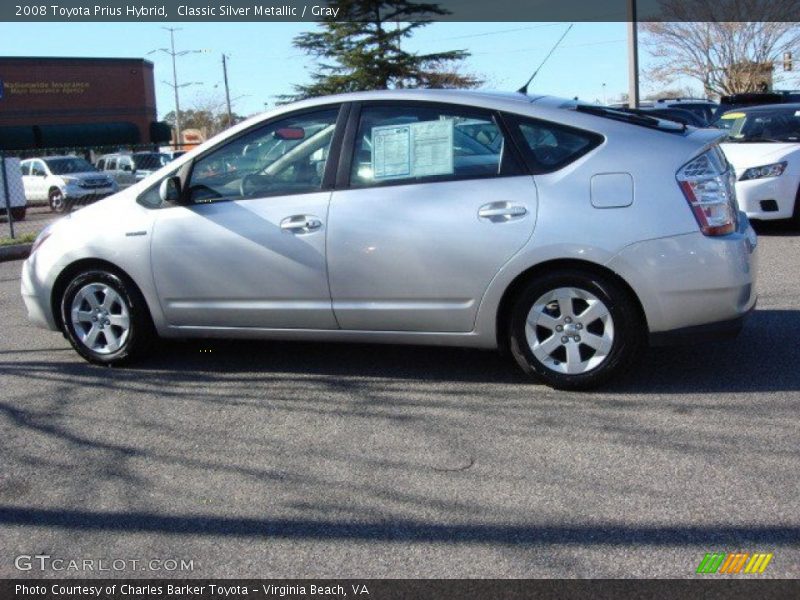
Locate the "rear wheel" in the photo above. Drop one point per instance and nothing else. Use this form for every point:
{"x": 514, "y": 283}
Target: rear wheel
{"x": 575, "y": 330}
{"x": 57, "y": 201}
{"x": 105, "y": 317}
{"x": 18, "y": 213}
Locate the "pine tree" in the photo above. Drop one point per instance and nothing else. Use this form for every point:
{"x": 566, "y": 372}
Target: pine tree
{"x": 361, "y": 49}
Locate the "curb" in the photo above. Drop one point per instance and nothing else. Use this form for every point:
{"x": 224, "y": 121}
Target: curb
{"x": 16, "y": 252}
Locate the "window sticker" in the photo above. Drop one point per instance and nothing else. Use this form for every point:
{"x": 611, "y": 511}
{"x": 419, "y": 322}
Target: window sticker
{"x": 415, "y": 150}
{"x": 391, "y": 152}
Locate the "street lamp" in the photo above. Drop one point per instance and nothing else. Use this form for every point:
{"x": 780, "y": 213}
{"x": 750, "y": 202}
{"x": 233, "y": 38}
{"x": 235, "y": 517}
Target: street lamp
{"x": 174, "y": 85}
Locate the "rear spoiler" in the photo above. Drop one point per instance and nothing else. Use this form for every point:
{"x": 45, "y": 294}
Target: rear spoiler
{"x": 706, "y": 138}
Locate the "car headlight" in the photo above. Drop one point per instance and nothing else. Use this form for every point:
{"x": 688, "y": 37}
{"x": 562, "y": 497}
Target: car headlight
{"x": 764, "y": 171}
{"x": 70, "y": 180}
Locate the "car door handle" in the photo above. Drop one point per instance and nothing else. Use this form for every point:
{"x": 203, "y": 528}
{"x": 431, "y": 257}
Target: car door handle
{"x": 499, "y": 212}
{"x": 301, "y": 224}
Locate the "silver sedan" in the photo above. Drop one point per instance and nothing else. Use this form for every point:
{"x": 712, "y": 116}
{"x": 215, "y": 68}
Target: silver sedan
{"x": 572, "y": 235}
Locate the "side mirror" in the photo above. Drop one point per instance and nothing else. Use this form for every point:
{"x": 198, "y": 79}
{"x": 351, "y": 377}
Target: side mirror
{"x": 126, "y": 168}
{"x": 170, "y": 190}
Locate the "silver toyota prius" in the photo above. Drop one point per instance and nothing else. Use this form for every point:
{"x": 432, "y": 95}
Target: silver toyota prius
{"x": 571, "y": 235}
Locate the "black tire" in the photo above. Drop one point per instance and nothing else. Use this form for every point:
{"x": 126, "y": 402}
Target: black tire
{"x": 18, "y": 213}
{"x": 140, "y": 333}
{"x": 628, "y": 339}
{"x": 56, "y": 200}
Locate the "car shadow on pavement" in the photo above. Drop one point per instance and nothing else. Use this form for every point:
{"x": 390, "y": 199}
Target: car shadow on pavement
{"x": 763, "y": 358}
{"x": 775, "y": 228}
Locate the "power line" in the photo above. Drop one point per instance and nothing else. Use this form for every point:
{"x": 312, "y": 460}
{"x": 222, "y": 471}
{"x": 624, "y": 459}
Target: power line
{"x": 534, "y": 48}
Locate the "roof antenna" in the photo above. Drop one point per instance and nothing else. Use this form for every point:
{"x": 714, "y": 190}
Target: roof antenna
{"x": 524, "y": 88}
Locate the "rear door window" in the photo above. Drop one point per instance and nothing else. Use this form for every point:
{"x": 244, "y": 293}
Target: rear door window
{"x": 413, "y": 143}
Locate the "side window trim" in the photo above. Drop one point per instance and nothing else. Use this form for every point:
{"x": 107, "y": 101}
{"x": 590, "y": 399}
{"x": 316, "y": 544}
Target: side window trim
{"x": 344, "y": 171}
{"x": 185, "y": 173}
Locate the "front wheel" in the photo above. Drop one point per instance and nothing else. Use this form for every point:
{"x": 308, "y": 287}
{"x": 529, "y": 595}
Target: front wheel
{"x": 575, "y": 330}
{"x": 105, "y": 317}
{"x": 18, "y": 213}
{"x": 56, "y": 200}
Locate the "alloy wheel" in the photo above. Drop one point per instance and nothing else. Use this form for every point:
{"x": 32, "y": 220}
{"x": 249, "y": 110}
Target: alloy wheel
{"x": 100, "y": 318}
{"x": 569, "y": 330}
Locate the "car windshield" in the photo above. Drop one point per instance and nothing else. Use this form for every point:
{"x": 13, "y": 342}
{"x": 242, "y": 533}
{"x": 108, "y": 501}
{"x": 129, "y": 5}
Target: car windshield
{"x": 150, "y": 162}
{"x": 772, "y": 125}
{"x": 67, "y": 165}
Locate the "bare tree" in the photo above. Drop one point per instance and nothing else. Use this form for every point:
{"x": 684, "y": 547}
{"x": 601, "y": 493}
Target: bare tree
{"x": 727, "y": 56}
{"x": 206, "y": 113}
{"x": 670, "y": 92}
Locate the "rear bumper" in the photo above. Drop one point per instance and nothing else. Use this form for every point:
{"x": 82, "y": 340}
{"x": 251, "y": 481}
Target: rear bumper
{"x": 695, "y": 334}
{"x": 692, "y": 280}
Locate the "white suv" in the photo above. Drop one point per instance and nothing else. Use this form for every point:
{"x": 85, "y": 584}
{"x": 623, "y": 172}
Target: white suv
{"x": 64, "y": 182}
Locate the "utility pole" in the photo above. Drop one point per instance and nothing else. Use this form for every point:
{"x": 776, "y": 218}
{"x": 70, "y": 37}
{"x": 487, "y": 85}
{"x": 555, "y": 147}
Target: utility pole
{"x": 227, "y": 90}
{"x": 174, "y": 85}
{"x": 633, "y": 56}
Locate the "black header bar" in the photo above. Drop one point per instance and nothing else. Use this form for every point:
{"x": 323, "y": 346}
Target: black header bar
{"x": 395, "y": 589}
{"x": 457, "y": 10}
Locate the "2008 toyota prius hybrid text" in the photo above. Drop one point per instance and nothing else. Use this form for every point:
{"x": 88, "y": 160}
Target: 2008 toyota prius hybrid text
{"x": 572, "y": 235}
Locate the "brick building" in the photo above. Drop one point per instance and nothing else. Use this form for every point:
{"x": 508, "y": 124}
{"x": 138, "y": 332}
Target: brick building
{"x": 70, "y": 102}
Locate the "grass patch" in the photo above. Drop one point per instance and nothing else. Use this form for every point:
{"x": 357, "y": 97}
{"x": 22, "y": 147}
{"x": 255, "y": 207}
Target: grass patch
{"x": 25, "y": 238}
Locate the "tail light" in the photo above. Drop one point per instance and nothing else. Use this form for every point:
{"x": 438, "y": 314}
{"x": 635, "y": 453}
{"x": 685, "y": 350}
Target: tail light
{"x": 707, "y": 181}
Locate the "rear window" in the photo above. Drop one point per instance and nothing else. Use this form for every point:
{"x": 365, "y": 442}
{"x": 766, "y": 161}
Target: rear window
{"x": 549, "y": 146}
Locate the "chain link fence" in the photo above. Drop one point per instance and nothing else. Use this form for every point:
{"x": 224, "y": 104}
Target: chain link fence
{"x": 39, "y": 186}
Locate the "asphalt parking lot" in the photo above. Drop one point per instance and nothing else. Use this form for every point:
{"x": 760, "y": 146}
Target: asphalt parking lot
{"x": 322, "y": 460}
